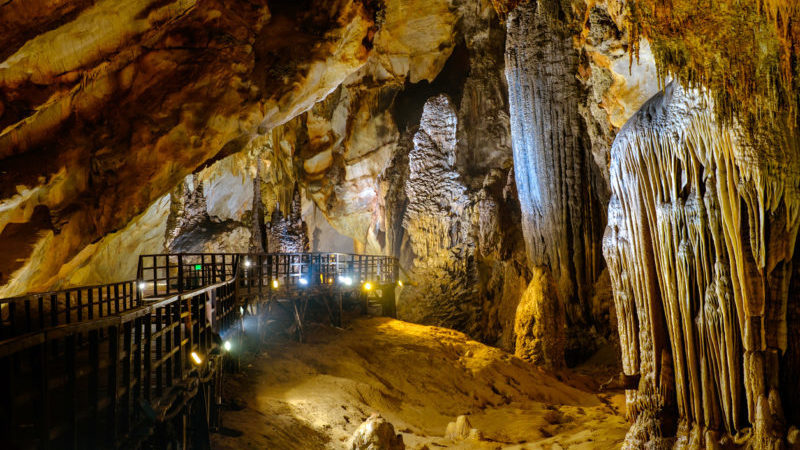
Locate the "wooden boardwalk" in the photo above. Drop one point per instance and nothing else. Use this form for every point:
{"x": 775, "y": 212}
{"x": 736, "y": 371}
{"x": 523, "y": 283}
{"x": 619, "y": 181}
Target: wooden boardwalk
{"x": 123, "y": 364}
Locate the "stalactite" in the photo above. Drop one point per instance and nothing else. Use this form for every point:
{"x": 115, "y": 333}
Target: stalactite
{"x": 700, "y": 243}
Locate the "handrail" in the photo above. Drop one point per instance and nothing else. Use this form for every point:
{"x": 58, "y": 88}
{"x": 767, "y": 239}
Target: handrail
{"x": 92, "y": 365}
{"x": 39, "y": 311}
{"x": 110, "y": 371}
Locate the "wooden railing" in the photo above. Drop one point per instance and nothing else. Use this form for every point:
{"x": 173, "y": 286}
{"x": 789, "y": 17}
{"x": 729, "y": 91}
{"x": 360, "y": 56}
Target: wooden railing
{"x": 104, "y": 383}
{"x": 97, "y": 367}
{"x": 165, "y": 274}
{"x": 34, "y": 312}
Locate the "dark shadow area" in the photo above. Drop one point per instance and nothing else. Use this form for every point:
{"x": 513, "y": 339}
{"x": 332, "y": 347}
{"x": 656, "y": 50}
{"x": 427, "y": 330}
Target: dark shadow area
{"x": 407, "y": 108}
{"x": 17, "y": 241}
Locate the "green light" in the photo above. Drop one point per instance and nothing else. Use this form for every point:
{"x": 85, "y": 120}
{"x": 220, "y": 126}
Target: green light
{"x": 198, "y": 267}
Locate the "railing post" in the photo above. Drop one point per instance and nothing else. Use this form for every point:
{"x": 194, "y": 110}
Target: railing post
{"x": 180, "y": 273}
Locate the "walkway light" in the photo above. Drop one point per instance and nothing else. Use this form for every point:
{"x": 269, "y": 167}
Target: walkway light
{"x": 367, "y": 286}
{"x": 227, "y": 346}
{"x": 303, "y": 281}
{"x": 275, "y": 284}
{"x": 196, "y": 358}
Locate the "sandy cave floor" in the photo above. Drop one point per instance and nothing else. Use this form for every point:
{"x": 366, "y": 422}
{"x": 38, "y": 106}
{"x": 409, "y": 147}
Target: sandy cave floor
{"x": 314, "y": 395}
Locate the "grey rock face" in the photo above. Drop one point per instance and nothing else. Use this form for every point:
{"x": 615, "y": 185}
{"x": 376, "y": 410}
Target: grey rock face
{"x": 437, "y": 219}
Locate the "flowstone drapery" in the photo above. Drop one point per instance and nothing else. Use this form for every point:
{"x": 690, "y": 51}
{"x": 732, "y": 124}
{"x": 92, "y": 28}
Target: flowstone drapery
{"x": 700, "y": 245}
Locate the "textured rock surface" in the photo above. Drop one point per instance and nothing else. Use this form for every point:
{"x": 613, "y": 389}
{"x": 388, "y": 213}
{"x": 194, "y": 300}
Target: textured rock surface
{"x": 700, "y": 247}
{"x": 121, "y": 102}
{"x": 561, "y": 191}
{"x": 540, "y": 324}
{"x": 376, "y": 433}
{"x": 437, "y": 223}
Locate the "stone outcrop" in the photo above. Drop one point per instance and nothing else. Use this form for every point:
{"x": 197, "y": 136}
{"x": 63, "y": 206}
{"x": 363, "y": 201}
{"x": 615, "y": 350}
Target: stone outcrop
{"x": 700, "y": 247}
{"x": 540, "y": 323}
{"x": 376, "y": 433}
{"x": 288, "y": 233}
{"x": 437, "y": 223}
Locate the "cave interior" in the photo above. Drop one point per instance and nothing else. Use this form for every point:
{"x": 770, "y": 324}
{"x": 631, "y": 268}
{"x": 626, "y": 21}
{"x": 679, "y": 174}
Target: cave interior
{"x": 580, "y": 217}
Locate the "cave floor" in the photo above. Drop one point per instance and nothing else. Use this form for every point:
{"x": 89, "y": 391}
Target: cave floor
{"x": 315, "y": 394}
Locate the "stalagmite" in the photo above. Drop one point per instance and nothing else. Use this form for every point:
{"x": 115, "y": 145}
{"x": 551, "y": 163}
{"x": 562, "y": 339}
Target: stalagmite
{"x": 700, "y": 246}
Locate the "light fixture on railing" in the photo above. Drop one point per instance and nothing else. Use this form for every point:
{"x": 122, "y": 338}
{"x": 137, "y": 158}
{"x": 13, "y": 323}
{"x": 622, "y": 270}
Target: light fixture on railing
{"x": 196, "y": 358}
{"x": 368, "y": 286}
{"x": 247, "y": 263}
{"x": 142, "y": 285}
{"x": 275, "y": 284}
{"x": 400, "y": 283}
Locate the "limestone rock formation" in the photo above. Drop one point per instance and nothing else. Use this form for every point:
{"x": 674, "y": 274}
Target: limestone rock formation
{"x": 376, "y": 433}
{"x": 561, "y": 191}
{"x": 118, "y": 103}
{"x": 461, "y": 429}
{"x": 437, "y": 220}
{"x": 540, "y": 324}
{"x": 700, "y": 247}
{"x": 288, "y": 234}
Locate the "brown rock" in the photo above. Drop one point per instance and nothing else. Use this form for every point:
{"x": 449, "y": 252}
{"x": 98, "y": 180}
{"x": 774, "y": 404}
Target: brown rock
{"x": 539, "y": 325}
{"x": 376, "y": 434}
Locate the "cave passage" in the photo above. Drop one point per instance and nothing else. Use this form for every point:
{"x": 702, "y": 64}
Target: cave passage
{"x": 355, "y": 224}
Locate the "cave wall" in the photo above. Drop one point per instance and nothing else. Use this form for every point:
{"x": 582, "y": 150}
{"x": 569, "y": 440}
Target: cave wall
{"x": 700, "y": 244}
{"x": 117, "y": 104}
{"x": 197, "y": 147}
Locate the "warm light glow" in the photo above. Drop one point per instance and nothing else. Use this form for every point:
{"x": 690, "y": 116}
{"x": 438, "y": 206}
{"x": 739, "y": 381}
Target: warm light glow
{"x": 275, "y": 284}
{"x": 303, "y": 281}
{"x": 142, "y": 285}
{"x": 400, "y": 283}
{"x": 227, "y": 345}
{"x": 196, "y": 358}
{"x": 330, "y": 280}
{"x": 367, "y": 286}
{"x": 247, "y": 263}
